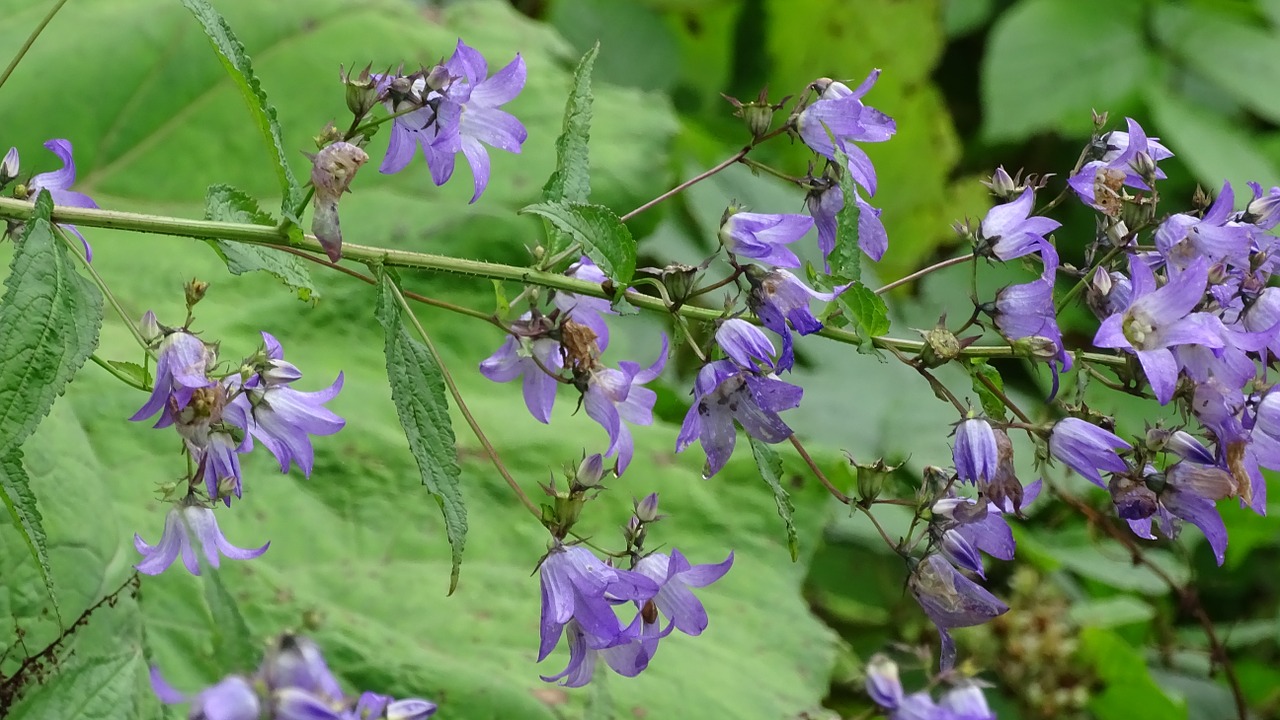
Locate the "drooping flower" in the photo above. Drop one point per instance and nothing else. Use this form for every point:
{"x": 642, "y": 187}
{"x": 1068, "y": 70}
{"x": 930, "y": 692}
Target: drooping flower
{"x": 838, "y": 119}
{"x": 1027, "y": 311}
{"x": 469, "y": 116}
{"x": 281, "y": 418}
{"x": 58, "y": 183}
{"x": 825, "y": 203}
{"x": 763, "y": 237}
{"x": 1129, "y": 155}
{"x": 975, "y": 453}
{"x": 614, "y": 396}
{"x": 1087, "y": 448}
{"x": 526, "y": 357}
{"x": 1182, "y": 238}
{"x": 231, "y": 699}
{"x": 963, "y": 702}
{"x": 181, "y": 366}
{"x": 781, "y": 301}
{"x": 1262, "y": 211}
{"x": 966, "y": 527}
{"x": 584, "y": 309}
{"x": 1186, "y": 490}
{"x": 1010, "y": 230}
{"x": 675, "y": 577}
{"x": 332, "y": 170}
{"x": 1159, "y": 319}
{"x": 296, "y": 661}
{"x": 187, "y": 524}
{"x": 725, "y": 392}
{"x": 951, "y": 601}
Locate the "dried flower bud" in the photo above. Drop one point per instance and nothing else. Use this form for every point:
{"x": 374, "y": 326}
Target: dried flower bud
{"x": 940, "y": 346}
{"x": 332, "y": 171}
{"x": 362, "y": 91}
{"x": 194, "y": 291}
{"x": 871, "y": 478}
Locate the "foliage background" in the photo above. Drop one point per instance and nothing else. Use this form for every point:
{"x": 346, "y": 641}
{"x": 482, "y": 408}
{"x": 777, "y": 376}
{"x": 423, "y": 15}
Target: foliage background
{"x": 358, "y": 554}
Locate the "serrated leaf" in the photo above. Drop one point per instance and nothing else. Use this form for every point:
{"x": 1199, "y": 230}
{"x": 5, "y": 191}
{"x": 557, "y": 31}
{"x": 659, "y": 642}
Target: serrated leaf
{"x": 602, "y": 235}
{"x": 417, "y": 388}
{"x": 992, "y": 405}
{"x": 846, "y": 256}
{"x": 770, "y": 466}
{"x": 571, "y": 180}
{"x": 238, "y": 66}
{"x": 233, "y": 645}
{"x": 15, "y": 491}
{"x": 867, "y": 313}
{"x": 49, "y": 322}
{"x": 225, "y": 203}
{"x": 133, "y": 370}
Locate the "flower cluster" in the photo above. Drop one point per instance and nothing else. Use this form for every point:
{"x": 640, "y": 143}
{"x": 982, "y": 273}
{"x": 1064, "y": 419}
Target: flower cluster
{"x": 218, "y": 418}
{"x": 58, "y": 183}
{"x": 965, "y": 701}
{"x": 293, "y": 683}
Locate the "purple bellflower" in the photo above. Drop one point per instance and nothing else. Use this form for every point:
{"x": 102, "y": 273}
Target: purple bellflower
{"x": 614, "y": 396}
{"x": 470, "y": 116}
{"x": 825, "y": 203}
{"x": 763, "y": 237}
{"x": 975, "y": 453}
{"x": 675, "y": 576}
{"x": 58, "y": 183}
{"x": 963, "y": 702}
{"x": 1010, "y": 230}
{"x": 743, "y": 389}
{"x": 1027, "y": 311}
{"x": 586, "y": 310}
{"x": 183, "y": 360}
{"x": 781, "y": 301}
{"x": 1186, "y": 490}
{"x": 231, "y": 699}
{"x": 1262, "y": 211}
{"x": 951, "y": 600}
{"x": 520, "y": 356}
{"x": 186, "y": 522}
{"x": 1125, "y": 153}
{"x": 1182, "y": 238}
{"x": 1159, "y": 319}
{"x": 838, "y": 119}
{"x": 281, "y": 418}
{"x": 1087, "y": 448}
{"x": 968, "y": 527}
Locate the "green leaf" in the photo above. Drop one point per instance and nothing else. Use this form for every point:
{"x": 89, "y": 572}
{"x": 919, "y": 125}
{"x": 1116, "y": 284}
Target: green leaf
{"x": 233, "y": 645}
{"x": 417, "y": 388}
{"x": 992, "y": 405}
{"x": 132, "y": 370}
{"x": 15, "y": 491}
{"x": 49, "y": 322}
{"x": 1213, "y": 147}
{"x": 571, "y": 180}
{"x": 770, "y": 466}
{"x": 225, "y": 203}
{"x": 1130, "y": 692}
{"x": 602, "y": 235}
{"x": 867, "y": 313}
{"x": 1048, "y": 61}
{"x": 846, "y": 256}
{"x": 236, "y": 61}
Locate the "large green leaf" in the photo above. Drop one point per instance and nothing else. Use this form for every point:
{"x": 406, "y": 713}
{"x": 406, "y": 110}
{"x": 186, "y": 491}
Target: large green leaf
{"x": 598, "y": 230}
{"x": 223, "y": 202}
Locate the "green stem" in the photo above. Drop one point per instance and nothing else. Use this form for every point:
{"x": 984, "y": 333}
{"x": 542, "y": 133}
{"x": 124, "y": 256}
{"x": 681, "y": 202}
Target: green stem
{"x": 688, "y": 183}
{"x": 462, "y": 406}
{"x": 121, "y": 376}
{"x": 274, "y": 237}
{"x": 925, "y": 271}
{"x": 757, "y": 165}
{"x": 31, "y": 39}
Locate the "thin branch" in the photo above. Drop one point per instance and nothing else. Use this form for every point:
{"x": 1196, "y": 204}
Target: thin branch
{"x": 31, "y": 39}
{"x": 688, "y": 183}
{"x": 925, "y": 271}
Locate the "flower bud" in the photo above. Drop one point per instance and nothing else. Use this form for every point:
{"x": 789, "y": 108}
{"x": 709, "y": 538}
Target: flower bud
{"x": 1002, "y": 186}
{"x": 9, "y": 166}
{"x": 589, "y": 471}
{"x": 1262, "y": 210}
{"x": 439, "y": 79}
{"x": 362, "y": 91}
{"x": 410, "y": 709}
{"x": 1036, "y": 347}
{"x": 194, "y": 291}
{"x": 634, "y": 532}
{"x": 883, "y": 684}
{"x": 647, "y": 509}
{"x": 149, "y": 327}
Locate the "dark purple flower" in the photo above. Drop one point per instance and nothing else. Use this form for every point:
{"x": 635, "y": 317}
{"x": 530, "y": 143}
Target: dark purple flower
{"x": 59, "y": 183}
{"x": 520, "y": 356}
{"x": 231, "y": 699}
{"x": 839, "y": 115}
{"x": 975, "y": 453}
{"x": 1087, "y": 448}
{"x": 967, "y": 527}
{"x": 1010, "y": 230}
{"x": 281, "y": 418}
{"x": 1186, "y": 490}
{"x": 577, "y": 587}
{"x": 781, "y": 301}
{"x": 583, "y": 309}
{"x": 1159, "y": 319}
{"x": 468, "y": 117}
{"x": 219, "y": 464}
{"x": 1125, "y": 152}
{"x": 613, "y": 396}
{"x": 725, "y": 392}
{"x": 951, "y": 600}
{"x": 824, "y": 204}
{"x": 764, "y": 237}
{"x": 628, "y": 656}
{"x": 675, "y": 576}
{"x": 186, "y": 522}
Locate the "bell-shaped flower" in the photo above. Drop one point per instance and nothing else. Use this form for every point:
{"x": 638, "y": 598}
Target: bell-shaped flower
{"x": 975, "y": 453}
{"x": 1159, "y": 319}
{"x": 532, "y": 359}
{"x": 825, "y": 203}
{"x": 1010, "y": 231}
{"x": 781, "y": 301}
{"x": 1129, "y": 154}
{"x": 59, "y": 182}
{"x": 1087, "y": 449}
{"x": 296, "y": 661}
{"x": 231, "y": 699}
{"x": 584, "y": 309}
{"x": 838, "y": 119}
{"x": 725, "y": 392}
{"x": 614, "y": 396}
{"x": 745, "y": 344}
{"x": 764, "y": 237}
{"x": 1263, "y": 211}
{"x": 1182, "y": 238}
{"x": 181, "y": 366}
{"x": 187, "y": 525}
{"x": 1027, "y": 312}
{"x": 967, "y": 527}
{"x": 951, "y": 601}
{"x": 1186, "y": 490}
{"x": 675, "y": 577}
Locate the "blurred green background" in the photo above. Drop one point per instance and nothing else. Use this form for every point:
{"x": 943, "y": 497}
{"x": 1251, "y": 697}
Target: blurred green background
{"x": 358, "y": 555}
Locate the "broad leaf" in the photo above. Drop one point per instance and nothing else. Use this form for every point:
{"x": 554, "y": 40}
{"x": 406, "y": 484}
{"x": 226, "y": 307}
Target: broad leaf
{"x": 571, "y": 180}
{"x": 15, "y": 492}
{"x": 233, "y": 644}
{"x": 992, "y": 405}
{"x": 227, "y": 204}
{"x": 236, "y": 61}
{"x": 867, "y": 313}
{"x": 770, "y": 466}
{"x": 602, "y": 235}
{"x": 417, "y": 387}
{"x": 1129, "y": 691}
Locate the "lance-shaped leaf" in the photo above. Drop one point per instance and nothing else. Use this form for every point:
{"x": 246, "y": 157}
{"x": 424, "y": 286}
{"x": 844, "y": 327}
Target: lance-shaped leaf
{"x": 571, "y": 180}
{"x": 417, "y": 388}
{"x": 15, "y": 492}
{"x": 602, "y": 235}
{"x": 227, "y": 204}
{"x": 846, "y": 257}
{"x": 236, "y": 61}
{"x": 233, "y": 644}
{"x": 770, "y": 466}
